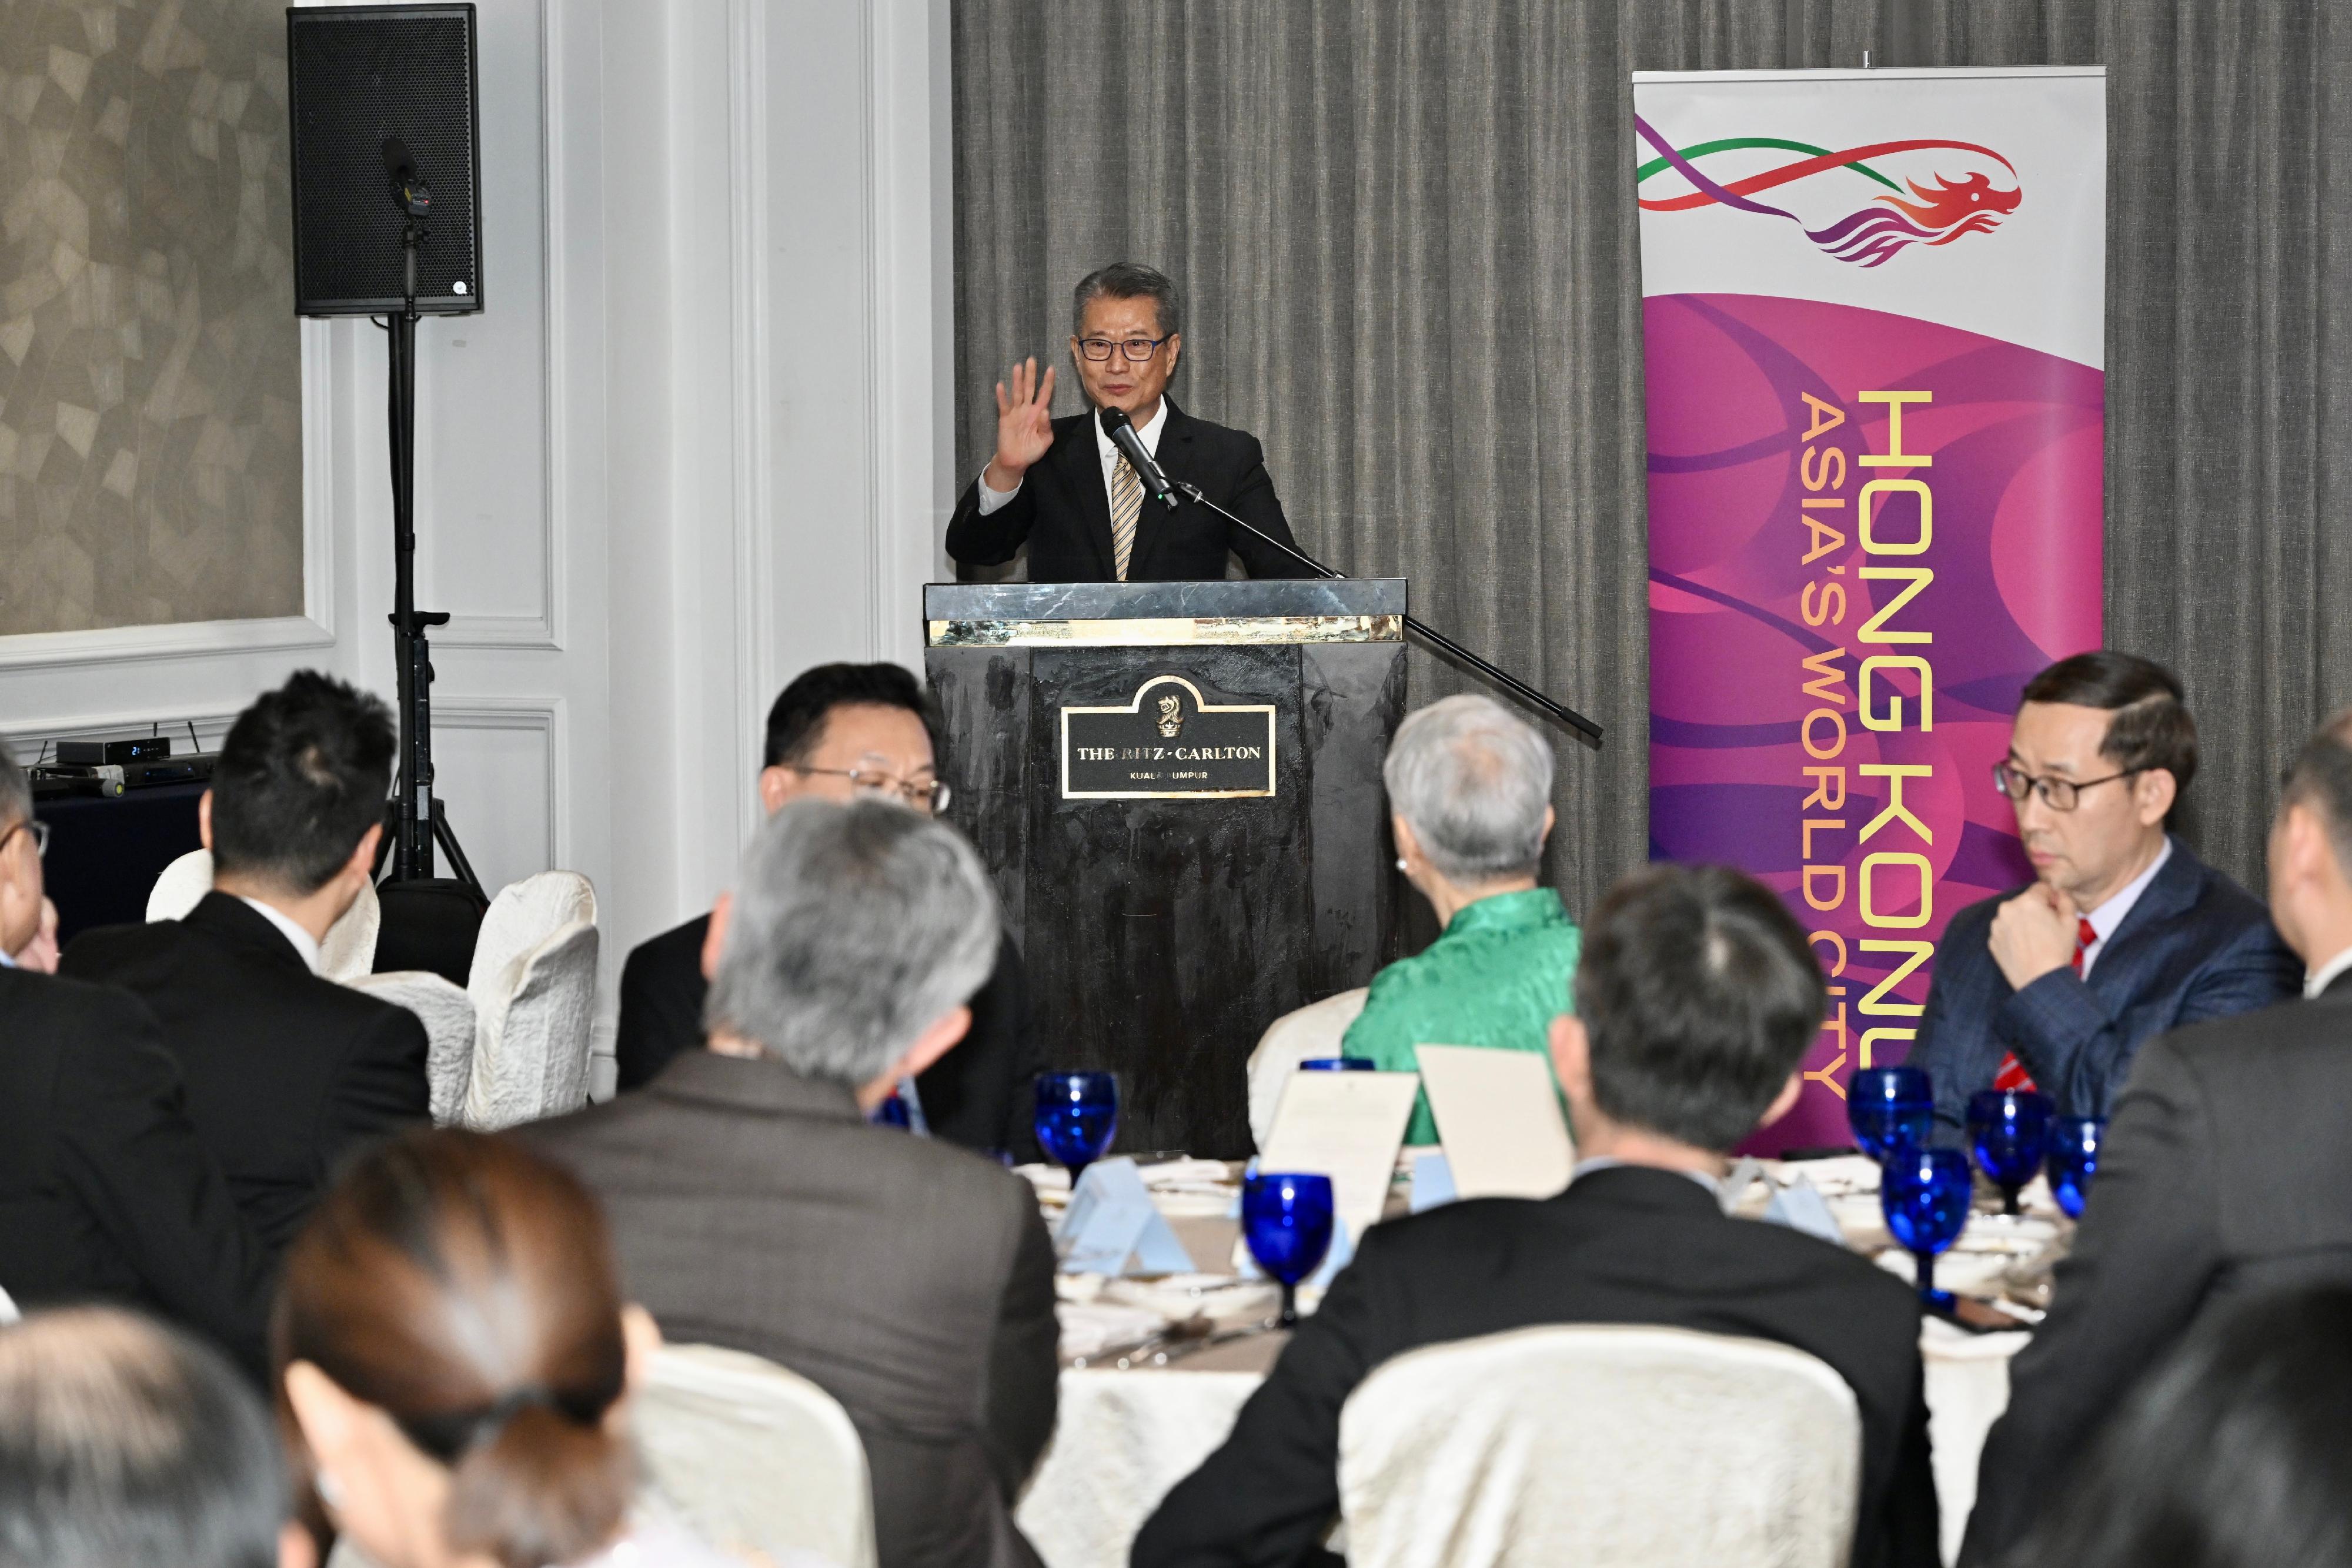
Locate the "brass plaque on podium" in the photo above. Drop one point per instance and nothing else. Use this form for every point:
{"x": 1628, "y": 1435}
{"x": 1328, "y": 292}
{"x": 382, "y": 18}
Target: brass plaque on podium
{"x": 1168, "y": 742}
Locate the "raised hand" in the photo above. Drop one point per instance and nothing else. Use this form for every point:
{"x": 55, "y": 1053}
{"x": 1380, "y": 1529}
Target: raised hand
{"x": 2033, "y": 935}
{"x": 1024, "y": 424}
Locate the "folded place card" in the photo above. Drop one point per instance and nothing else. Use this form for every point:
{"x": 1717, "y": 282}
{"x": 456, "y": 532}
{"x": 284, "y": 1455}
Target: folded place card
{"x": 1499, "y": 1119}
{"x": 1112, "y": 1227}
{"x": 1801, "y": 1206}
{"x": 1348, "y": 1126}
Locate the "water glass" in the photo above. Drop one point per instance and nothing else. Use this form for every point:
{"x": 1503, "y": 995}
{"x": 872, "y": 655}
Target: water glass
{"x": 1890, "y": 1108}
{"x": 1925, "y": 1195}
{"x": 2074, "y": 1160}
{"x": 2010, "y": 1130}
{"x": 1339, "y": 1064}
{"x": 1077, "y": 1117}
{"x": 1287, "y": 1219}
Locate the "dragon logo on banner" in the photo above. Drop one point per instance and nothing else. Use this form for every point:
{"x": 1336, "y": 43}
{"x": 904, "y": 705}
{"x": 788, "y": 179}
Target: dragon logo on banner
{"x": 1936, "y": 212}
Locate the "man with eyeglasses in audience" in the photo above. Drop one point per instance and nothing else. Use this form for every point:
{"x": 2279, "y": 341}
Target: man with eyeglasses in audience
{"x": 1061, "y": 487}
{"x": 2124, "y": 933}
{"x": 838, "y": 732}
{"x": 2221, "y": 1180}
{"x": 105, "y": 1192}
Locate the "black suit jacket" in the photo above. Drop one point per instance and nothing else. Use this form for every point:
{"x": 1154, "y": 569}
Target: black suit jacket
{"x": 979, "y": 1094}
{"x": 912, "y": 1280}
{"x": 1623, "y": 1244}
{"x": 2224, "y": 1175}
{"x": 2195, "y": 946}
{"x": 285, "y": 1072}
{"x": 1062, "y": 511}
{"x": 105, "y": 1193}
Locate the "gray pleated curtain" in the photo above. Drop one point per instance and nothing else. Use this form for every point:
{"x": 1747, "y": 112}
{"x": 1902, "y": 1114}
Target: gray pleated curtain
{"x": 1406, "y": 234}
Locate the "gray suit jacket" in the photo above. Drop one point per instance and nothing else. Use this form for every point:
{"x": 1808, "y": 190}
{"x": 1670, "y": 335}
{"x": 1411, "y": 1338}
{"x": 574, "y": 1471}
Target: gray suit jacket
{"x": 912, "y": 1280}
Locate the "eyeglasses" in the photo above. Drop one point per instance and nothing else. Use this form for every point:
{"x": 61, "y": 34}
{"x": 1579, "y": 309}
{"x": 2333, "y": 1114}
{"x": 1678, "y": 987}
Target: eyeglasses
{"x": 932, "y": 796}
{"x": 2058, "y": 794}
{"x": 40, "y": 832}
{"x": 1135, "y": 348}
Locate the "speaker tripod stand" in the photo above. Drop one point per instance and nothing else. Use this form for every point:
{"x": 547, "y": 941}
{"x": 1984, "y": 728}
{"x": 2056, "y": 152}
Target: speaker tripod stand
{"x": 416, "y": 821}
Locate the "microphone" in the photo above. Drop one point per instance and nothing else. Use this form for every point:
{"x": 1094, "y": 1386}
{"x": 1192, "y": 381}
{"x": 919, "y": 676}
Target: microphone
{"x": 1121, "y": 431}
{"x": 410, "y": 193}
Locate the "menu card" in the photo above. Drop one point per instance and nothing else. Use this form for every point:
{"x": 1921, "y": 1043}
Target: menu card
{"x": 1499, "y": 1119}
{"x": 1348, "y": 1126}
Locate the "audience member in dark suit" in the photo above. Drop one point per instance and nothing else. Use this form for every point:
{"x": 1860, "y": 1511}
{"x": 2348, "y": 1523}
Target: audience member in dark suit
{"x": 1060, "y": 487}
{"x": 2223, "y": 1177}
{"x": 105, "y": 1191}
{"x": 1696, "y": 999}
{"x": 755, "y": 1207}
{"x": 286, "y": 1071}
{"x": 2123, "y": 935}
{"x": 836, "y": 732}
{"x": 2230, "y": 1454}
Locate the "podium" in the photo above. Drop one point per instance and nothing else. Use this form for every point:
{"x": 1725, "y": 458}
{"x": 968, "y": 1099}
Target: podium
{"x": 1176, "y": 787}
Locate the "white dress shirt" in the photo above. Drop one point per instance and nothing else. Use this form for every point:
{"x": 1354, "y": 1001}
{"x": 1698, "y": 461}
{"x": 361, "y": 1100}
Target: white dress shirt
{"x": 304, "y": 942}
{"x": 2110, "y": 915}
{"x": 2321, "y": 977}
{"x": 992, "y": 498}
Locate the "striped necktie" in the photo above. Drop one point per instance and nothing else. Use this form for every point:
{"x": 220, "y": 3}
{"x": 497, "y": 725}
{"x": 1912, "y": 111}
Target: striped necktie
{"x": 2013, "y": 1073}
{"x": 1126, "y": 506}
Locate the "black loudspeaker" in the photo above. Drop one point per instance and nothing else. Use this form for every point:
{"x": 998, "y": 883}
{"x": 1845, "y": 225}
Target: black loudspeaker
{"x": 366, "y": 84}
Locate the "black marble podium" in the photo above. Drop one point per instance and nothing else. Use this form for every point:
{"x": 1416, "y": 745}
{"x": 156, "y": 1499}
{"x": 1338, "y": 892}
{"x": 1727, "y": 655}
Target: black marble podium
{"x": 1177, "y": 788}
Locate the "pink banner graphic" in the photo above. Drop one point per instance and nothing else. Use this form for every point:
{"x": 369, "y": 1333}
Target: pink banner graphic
{"x": 1866, "y": 533}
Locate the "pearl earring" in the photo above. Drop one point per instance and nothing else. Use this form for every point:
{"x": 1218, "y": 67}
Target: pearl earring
{"x": 1401, "y": 865}
{"x": 330, "y": 1491}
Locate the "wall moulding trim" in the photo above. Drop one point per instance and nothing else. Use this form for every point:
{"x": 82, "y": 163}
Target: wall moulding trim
{"x": 545, "y": 716}
{"x": 542, "y": 632}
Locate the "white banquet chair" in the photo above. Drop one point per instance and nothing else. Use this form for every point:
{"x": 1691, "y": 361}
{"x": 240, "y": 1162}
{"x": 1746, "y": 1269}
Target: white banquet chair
{"x": 348, "y": 952}
{"x": 1313, "y": 1030}
{"x": 1611, "y": 1447}
{"x": 533, "y": 982}
{"x": 753, "y": 1458}
{"x": 447, "y": 1014}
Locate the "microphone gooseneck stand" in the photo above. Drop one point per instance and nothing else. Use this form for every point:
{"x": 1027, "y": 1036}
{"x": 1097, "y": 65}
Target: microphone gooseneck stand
{"x": 1121, "y": 431}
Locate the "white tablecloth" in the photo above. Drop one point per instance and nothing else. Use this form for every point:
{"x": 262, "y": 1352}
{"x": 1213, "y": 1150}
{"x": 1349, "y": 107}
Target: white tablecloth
{"x": 1125, "y": 1439}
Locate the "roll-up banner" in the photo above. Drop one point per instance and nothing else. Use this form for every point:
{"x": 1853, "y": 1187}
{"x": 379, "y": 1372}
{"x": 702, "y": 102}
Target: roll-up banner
{"x": 1873, "y": 314}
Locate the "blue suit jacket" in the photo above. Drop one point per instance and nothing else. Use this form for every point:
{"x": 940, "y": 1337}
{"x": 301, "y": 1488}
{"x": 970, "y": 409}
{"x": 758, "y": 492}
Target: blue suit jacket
{"x": 2195, "y": 946}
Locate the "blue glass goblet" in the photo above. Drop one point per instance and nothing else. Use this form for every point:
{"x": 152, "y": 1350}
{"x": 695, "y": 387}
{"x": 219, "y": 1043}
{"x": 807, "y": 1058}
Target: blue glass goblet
{"x": 1339, "y": 1064}
{"x": 1287, "y": 1219}
{"x": 1077, "y": 1117}
{"x": 1925, "y": 1194}
{"x": 2010, "y": 1129}
{"x": 2074, "y": 1160}
{"x": 1890, "y": 1108}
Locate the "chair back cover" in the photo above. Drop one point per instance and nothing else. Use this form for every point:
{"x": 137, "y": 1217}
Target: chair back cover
{"x": 535, "y": 990}
{"x": 754, "y": 1459}
{"x": 348, "y": 952}
{"x": 448, "y": 1015}
{"x": 1608, "y": 1447}
{"x": 182, "y": 886}
{"x": 1313, "y": 1030}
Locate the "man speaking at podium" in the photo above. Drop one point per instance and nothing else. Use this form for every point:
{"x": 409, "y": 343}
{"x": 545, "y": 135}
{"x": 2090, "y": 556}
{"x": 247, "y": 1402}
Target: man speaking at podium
{"x": 1063, "y": 487}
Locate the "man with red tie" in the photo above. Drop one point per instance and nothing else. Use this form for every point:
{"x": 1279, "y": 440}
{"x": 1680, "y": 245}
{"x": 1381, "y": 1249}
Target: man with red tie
{"x": 2123, "y": 935}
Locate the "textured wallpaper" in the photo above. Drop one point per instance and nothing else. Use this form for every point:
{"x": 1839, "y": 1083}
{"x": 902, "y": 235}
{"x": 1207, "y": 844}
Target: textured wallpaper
{"x": 151, "y": 440}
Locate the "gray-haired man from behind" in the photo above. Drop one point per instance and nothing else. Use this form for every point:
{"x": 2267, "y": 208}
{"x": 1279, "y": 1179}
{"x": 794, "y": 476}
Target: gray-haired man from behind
{"x": 755, "y": 1207}
{"x": 124, "y": 1443}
